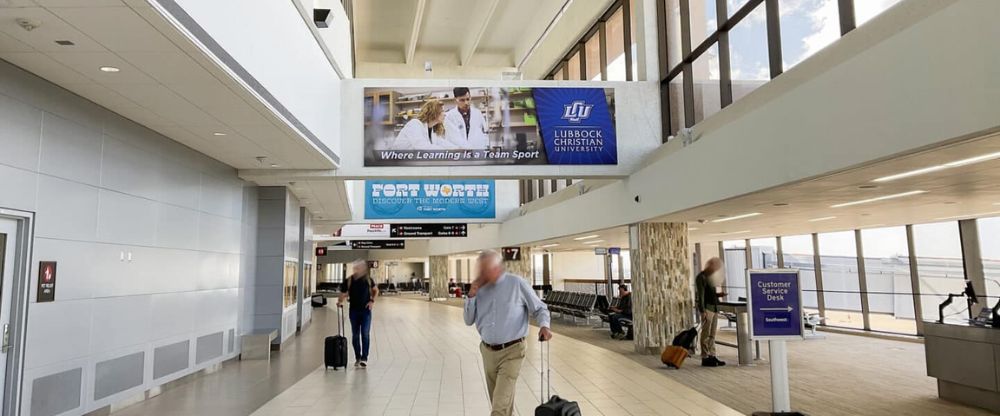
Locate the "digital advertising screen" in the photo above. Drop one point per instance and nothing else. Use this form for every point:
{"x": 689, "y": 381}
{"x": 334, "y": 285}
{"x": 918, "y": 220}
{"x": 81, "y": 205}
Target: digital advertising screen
{"x": 463, "y": 126}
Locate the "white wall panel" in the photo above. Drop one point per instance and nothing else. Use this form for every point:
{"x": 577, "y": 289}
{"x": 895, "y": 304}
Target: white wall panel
{"x": 126, "y": 219}
{"x": 177, "y": 227}
{"x": 70, "y": 150}
{"x": 146, "y": 233}
{"x": 20, "y": 135}
{"x": 130, "y": 169}
{"x": 66, "y": 209}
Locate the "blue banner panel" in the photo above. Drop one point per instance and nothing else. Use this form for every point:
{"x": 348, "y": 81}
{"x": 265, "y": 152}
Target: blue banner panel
{"x": 775, "y": 304}
{"x": 430, "y": 199}
{"x": 576, "y": 126}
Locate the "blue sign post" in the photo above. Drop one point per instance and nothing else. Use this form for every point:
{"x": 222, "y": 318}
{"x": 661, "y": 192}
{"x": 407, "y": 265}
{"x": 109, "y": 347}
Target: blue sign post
{"x": 775, "y": 304}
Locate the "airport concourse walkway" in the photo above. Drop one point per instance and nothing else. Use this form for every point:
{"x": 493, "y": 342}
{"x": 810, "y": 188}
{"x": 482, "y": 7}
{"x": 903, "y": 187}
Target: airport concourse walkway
{"x": 425, "y": 361}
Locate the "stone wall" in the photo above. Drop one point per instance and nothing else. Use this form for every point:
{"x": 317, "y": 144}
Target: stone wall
{"x": 663, "y": 299}
{"x": 521, "y": 267}
{"x": 438, "y": 277}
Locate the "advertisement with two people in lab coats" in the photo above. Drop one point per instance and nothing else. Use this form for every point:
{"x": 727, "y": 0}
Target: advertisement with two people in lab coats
{"x": 456, "y": 126}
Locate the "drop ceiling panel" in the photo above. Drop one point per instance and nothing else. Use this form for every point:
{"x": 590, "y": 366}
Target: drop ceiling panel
{"x": 44, "y": 37}
{"x": 89, "y": 64}
{"x": 106, "y": 25}
{"x": 46, "y": 67}
{"x": 10, "y": 44}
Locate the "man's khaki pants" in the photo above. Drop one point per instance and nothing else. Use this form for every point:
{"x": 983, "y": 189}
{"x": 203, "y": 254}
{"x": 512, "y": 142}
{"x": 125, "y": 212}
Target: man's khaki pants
{"x": 708, "y": 329}
{"x": 502, "y": 368}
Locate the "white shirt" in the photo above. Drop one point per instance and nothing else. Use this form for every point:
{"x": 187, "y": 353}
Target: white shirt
{"x": 414, "y": 136}
{"x": 455, "y": 129}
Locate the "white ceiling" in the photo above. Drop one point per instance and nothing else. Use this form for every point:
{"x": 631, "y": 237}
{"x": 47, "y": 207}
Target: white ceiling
{"x": 166, "y": 82}
{"x": 450, "y": 32}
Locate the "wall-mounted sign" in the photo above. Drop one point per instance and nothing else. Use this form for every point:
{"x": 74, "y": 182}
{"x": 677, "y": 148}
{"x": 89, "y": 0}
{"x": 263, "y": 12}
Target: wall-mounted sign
{"x": 372, "y": 264}
{"x": 489, "y": 126}
{"x": 429, "y": 230}
{"x": 775, "y": 304}
{"x": 600, "y": 251}
{"x": 419, "y": 199}
{"x": 320, "y": 251}
{"x": 363, "y": 230}
{"x": 511, "y": 253}
{"x": 615, "y": 250}
{"x": 378, "y": 244}
{"x": 46, "y": 290}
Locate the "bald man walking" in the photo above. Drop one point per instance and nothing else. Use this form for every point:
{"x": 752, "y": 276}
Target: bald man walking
{"x": 499, "y": 304}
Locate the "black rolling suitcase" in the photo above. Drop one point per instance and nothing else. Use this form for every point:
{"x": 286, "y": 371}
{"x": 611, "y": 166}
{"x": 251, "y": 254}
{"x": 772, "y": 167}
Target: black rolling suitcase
{"x": 335, "y": 352}
{"x": 555, "y": 406}
{"x": 318, "y": 301}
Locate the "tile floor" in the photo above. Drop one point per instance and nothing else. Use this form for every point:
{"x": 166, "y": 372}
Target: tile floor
{"x": 425, "y": 361}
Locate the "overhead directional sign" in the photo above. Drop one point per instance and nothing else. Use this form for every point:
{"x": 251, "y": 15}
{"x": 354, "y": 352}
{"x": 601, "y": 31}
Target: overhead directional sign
{"x": 775, "y": 304}
{"x": 378, "y": 244}
{"x": 429, "y": 230}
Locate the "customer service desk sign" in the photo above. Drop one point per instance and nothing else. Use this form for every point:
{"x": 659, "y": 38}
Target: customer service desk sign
{"x": 462, "y": 126}
{"x": 426, "y": 199}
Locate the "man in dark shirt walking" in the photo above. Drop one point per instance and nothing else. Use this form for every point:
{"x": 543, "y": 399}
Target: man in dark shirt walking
{"x": 707, "y": 299}
{"x": 622, "y": 311}
{"x": 361, "y": 291}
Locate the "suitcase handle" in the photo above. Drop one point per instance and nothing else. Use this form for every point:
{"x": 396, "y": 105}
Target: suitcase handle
{"x": 340, "y": 312}
{"x": 546, "y": 371}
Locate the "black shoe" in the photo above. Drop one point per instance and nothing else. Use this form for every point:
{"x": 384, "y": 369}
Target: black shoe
{"x": 708, "y": 362}
{"x": 718, "y": 362}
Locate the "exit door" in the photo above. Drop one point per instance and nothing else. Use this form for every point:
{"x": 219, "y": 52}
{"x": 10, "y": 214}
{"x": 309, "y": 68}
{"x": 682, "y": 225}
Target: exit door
{"x": 14, "y": 237}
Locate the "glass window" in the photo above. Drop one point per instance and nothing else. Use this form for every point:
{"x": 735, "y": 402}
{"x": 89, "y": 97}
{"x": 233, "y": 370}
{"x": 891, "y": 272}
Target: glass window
{"x": 537, "y": 269}
{"x": 989, "y": 249}
{"x": 806, "y": 27}
{"x": 674, "y": 53}
{"x": 887, "y": 274}
{"x": 735, "y": 265}
{"x": 615, "y": 31}
{"x": 574, "y": 67}
{"x": 748, "y": 53}
{"x": 763, "y": 253}
{"x": 705, "y": 73}
{"x": 703, "y": 20}
{"x": 865, "y": 10}
{"x": 558, "y": 76}
{"x": 593, "y": 55}
{"x": 634, "y": 48}
{"x": 939, "y": 266}
{"x": 291, "y": 284}
{"x": 797, "y": 251}
{"x": 732, "y": 6}
{"x": 841, "y": 287}
{"x": 675, "y": 93}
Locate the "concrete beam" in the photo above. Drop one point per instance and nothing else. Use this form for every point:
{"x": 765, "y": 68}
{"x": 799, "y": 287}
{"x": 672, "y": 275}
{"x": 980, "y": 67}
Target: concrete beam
{"x": 479, "y": 21}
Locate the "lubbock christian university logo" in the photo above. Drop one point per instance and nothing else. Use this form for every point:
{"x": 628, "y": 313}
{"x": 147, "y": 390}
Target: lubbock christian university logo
{"x": 576, "y": 111}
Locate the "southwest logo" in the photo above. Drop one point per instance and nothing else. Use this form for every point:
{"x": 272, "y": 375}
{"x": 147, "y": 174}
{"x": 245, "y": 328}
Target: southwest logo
{"x": 576, "y": 111}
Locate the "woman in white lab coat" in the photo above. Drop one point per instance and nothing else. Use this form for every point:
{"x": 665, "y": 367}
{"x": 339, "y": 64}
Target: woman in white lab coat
{"x": 426, "y": 132}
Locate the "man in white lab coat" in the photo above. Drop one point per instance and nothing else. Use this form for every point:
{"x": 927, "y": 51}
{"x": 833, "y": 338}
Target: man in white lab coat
{"x": 465, "y": 126}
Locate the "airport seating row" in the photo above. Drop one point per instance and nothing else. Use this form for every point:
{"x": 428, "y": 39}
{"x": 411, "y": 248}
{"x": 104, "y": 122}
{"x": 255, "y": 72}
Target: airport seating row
{"x": 582, "y": 305}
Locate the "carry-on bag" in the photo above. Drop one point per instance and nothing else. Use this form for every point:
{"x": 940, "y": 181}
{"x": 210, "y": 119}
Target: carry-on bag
{"x": 335, "y": 350}
{"x": 674, "y": 356}
{"x": 318, "y": 301}
{"x": 556, "y": 406}
{"x": 686, "y": 338}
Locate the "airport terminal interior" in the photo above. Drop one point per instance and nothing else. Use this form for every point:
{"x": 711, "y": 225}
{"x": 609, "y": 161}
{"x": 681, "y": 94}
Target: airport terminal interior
{"x": 499, "y": 207}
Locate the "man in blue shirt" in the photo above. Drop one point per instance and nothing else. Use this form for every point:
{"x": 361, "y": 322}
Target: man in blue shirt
{"x": 499, "y": 304}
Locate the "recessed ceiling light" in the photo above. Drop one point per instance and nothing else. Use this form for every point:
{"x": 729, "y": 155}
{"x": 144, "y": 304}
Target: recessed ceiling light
{"x": 935, "y": 168}
{"x": 693, "y": 229}
{"x": 587, "y": 237}
{"x": 110, "y": 69}
{"x": 593, "y": 242}
{"x": 821, "y": 219}
{"x": 876, "y": 199}
{"x": 737, "y": 217}
{"x": 274, "y": 165}
{"x": 218, "y": 133}
{"x": 550, "y": 245}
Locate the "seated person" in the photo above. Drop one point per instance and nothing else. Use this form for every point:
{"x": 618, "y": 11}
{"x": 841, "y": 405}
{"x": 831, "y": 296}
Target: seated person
{"x": 622, "y": 311}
